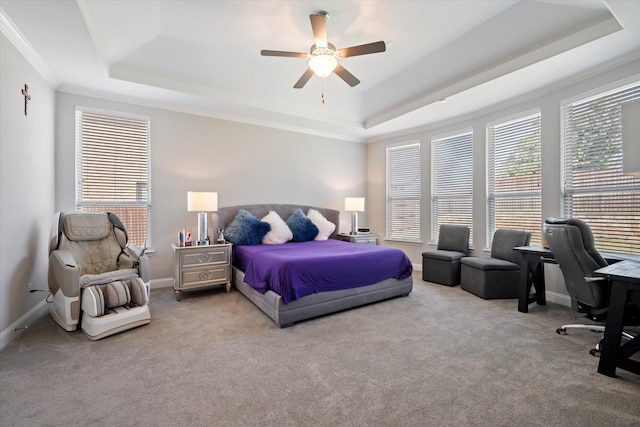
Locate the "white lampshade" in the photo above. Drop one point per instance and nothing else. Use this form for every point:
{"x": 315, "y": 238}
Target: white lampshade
{"x": 354, "y": 204}
{"x": 631, "y": 138}
{"x": 323, "y": 65}
{"x": 201, "y": 201}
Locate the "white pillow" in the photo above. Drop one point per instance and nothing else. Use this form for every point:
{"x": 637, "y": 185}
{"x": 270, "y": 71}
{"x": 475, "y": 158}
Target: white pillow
{"x": 325, "y": 227}
{"x": 280, "y": 231}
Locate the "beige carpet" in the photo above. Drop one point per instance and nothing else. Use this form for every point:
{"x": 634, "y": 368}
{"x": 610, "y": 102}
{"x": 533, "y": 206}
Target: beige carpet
{"x": 439, "y": 357}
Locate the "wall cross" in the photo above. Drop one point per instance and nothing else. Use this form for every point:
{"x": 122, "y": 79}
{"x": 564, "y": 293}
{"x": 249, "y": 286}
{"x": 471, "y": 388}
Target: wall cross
{"x": 27, "y": 97}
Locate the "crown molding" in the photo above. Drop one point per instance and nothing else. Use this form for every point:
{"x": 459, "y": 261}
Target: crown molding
{"x": 15, "y": 36}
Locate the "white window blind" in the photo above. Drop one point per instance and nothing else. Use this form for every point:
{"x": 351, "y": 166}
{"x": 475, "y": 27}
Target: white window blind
{"x": 594, "y": 187}
{"x": 112, "y": 170}
{"x": 514, "y": 176}
{"x": 403, "y": 193}
{"x": 451, "y": 182}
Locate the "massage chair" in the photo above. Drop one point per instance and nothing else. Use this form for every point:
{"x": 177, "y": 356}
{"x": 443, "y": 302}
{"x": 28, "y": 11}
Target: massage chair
{"x": 97, "y": 281}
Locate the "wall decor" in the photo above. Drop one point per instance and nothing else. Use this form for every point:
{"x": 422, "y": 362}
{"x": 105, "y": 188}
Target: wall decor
{"x": 27, "y": 97}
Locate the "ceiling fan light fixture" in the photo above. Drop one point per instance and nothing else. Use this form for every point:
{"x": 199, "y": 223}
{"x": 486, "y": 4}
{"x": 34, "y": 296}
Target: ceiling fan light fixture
{"x": 323, "y": 65}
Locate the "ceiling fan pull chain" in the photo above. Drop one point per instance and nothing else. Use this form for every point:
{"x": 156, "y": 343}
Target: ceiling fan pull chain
{"x": 323, "y": 91}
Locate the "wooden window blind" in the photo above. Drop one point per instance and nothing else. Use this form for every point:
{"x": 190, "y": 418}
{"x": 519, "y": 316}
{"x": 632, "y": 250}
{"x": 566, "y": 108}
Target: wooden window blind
{"x": 112, "y": 169}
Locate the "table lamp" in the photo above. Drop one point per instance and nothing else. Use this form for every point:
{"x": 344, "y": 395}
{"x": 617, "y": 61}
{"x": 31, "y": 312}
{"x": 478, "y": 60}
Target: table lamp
{"x": 202, "y": 202}
{"x": 354, "y": 205}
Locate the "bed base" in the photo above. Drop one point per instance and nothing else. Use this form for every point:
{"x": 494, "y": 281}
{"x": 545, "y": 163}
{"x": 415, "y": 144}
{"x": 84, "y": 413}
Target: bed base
{"x": 314, "y": 305}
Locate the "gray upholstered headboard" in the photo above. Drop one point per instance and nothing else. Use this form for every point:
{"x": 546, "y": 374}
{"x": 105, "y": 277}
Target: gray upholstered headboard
{"x": 225, "y": 215}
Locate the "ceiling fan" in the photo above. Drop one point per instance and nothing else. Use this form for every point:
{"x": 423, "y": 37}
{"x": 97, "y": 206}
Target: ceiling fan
{"x": 323, "y": 56}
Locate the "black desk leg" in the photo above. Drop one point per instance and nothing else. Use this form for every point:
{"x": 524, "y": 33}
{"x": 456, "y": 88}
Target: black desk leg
{"x": 525, "y": 285}
{"x": 541, "y": 297}
{"x": 613, "y": 330}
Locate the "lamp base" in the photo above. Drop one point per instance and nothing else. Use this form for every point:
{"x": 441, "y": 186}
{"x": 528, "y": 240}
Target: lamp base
{"x": 203, "y": 233}
{"x": 354, "y": 223}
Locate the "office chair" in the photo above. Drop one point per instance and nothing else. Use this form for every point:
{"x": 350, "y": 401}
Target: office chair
{"x": 572, "y": 245}
{"x": 97, "y": 281}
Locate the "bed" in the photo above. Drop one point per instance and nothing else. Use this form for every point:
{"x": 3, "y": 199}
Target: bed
{"x": 288, "y": 307}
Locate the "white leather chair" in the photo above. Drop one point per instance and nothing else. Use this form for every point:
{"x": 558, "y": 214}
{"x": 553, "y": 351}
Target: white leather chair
{"x": 96, "y": 279}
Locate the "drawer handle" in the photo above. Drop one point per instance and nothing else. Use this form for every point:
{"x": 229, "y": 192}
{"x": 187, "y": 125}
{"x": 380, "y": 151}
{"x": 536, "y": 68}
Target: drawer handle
{"x": 205, "y": 258}
{"x": 205, "y": 275}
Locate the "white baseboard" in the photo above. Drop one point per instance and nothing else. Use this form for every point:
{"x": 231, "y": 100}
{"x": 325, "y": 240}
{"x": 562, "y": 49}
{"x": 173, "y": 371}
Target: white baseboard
{"x": 557, "y": 298}
{"x": 166, "y": 282}
{"x": 25, "y": 320}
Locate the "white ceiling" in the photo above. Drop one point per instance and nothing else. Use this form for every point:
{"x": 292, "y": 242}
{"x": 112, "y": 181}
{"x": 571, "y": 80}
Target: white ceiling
{"x": 203, "y": 56}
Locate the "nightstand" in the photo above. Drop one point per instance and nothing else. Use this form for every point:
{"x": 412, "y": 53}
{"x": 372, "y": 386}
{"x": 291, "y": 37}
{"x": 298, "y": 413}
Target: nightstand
{"x": 197, "y": 267}
{"x": 365, "y": 238}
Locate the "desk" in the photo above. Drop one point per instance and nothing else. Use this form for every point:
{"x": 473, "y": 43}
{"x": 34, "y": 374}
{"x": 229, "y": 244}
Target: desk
{"x": 625, "y": 277}
{"x": 532, "y": 272}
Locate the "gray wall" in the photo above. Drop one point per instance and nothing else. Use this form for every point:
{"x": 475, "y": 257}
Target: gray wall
{"x": 26, "y": 187}
{"x": 243, "y": 163}
{"x": 549, "y": 103}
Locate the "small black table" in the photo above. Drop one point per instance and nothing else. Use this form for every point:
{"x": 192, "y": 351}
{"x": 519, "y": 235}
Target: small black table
{"x": 532, "y": 274}
{"x": 625, "y": 277}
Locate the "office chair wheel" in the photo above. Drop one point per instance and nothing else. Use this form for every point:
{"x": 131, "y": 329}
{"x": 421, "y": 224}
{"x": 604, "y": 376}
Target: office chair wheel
{"x": 561, "y": 331}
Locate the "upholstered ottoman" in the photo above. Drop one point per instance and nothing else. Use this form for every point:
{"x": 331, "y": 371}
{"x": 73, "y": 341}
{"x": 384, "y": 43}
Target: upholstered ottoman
{"x": 441, "y": 267}
{"x": 490, "y": 278}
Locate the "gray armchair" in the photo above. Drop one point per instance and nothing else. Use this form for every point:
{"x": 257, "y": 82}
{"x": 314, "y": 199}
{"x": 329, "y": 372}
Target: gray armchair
{"x": 572, "y": 245}
{"x": 443, "y": 265}
{"x": 497, "y": 276}
{"x": 96, "y": 279}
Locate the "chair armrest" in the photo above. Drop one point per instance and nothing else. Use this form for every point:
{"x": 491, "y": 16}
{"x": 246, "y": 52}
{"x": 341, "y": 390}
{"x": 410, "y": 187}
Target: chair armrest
{"x": 64, "y": 272}
{"x": 134, "y": 257}
{"x": 144, "y": 268}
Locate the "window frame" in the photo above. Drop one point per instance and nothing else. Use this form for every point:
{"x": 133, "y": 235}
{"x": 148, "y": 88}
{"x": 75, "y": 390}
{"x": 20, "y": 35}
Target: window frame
{"x": 398, "y": 230}
{"x": 609, "y": 180}
{"x": 461, "y": 195}
{"x": 519, "y": 195}
{"x": 142, "y": 196}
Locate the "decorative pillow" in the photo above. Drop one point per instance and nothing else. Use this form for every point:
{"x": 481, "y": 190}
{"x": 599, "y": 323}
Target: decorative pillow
{"x": 246, "y": 229}
{"x": 325, "y": 227}
{"x": 280, "y": 231}
{"x": 302, "y": 227}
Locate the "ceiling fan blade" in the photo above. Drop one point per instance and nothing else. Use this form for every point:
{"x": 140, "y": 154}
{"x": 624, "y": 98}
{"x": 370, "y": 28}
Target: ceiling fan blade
{"x": 346, "y": 76}
{"x": 304, "y": 79}
{"x": 283, "y": 53}
{"x": 363, "y": 49}
{"x": 319, "y": 27}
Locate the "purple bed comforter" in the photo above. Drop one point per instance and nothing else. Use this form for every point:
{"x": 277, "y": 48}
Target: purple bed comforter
{"x": 294, "y": 270}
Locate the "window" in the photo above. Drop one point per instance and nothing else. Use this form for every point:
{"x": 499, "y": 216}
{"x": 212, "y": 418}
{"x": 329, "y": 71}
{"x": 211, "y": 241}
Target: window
{"x": 403, "y": 193}
{"x": 451, "y": 181}
{"x": 594, "y": 187}
{"x": 112, "y": 169}
{"x": 514, "y": 176}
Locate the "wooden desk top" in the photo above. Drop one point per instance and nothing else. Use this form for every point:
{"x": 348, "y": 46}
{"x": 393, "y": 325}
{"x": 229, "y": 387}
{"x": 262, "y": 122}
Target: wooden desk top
{"x": 626, "y": 270}
{"x": 610, "y": 257}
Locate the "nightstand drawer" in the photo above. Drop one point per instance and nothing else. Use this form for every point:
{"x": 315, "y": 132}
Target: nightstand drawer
{"x": 212, "y": 256}
{"x": 369, "y": 240}
{"x": 200, "y": 276}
